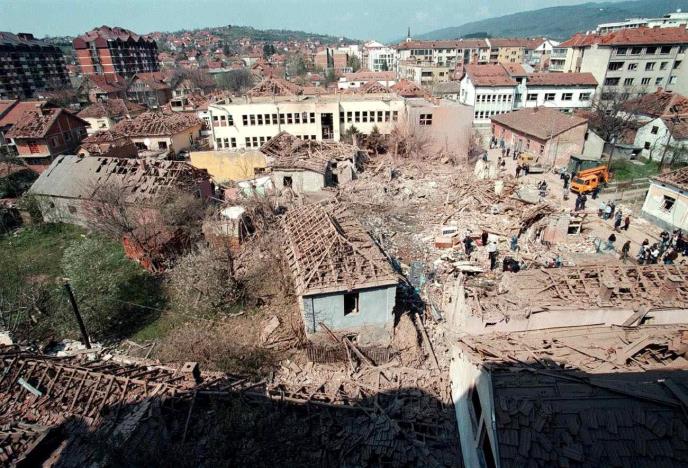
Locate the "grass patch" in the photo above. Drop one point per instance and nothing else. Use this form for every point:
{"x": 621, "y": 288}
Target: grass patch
{"x": 158, "y": 328}
{"x": 627, "y": 170}
{"x": 39, "y": 249}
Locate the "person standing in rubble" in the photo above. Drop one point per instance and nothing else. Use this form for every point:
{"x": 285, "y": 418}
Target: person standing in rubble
{"x": 617, "y": 221}
{"x": 584, "y": 200}
{"x": 518, "y": 170}
{"x": 596, "y": 192}
{"x": 642, "y": 253}
{"x": 627, "y": 223}
{"x": 624, "y": 251}
{"x": 566, "y": 178}
{"x": 607, "y": 211}
{"x": 492, "y": 253}
{"x": 514, "y": 243}
{"x": 468, "y": 244}
{"x": 670, "y": 257}
{"x": 483, "y": 238}
{"x": 612, "y": 205}
{"x": 654, "y": 254}
{"x": 601, "y": 209}
{"x": 610, "y": 242}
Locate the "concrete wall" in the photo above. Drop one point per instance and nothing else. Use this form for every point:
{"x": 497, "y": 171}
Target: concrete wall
{"x": 302, "y": 181}
{"x": 594, "y": 145}
{"x": 229, "y": 165}
{"x": 62, "y": 210}
{"x": 374, "y": 320}
{"x": 553, "y": 152}
{"x": 467, "y": 377}
{"x": 653, "y": 211}
{"x": 98, "y": 124}
{"x": 657, "y": 141}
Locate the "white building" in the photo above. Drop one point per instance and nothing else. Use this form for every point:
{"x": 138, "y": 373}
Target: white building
{"x": 498, "y": 89}
{"x": 670, "y": 20}
{"x": 628, "y": 61}
{"x": 251, "y": 121}
{"x": 378, "y": 57}
{"x": 663, "y": 136}
{"x": 666, "y": 202}
{"x": 445, "y": 53}
{"x": 361, "y": 77}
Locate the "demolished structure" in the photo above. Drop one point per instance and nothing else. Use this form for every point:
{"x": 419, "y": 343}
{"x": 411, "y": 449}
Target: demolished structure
{"x": 666, "y": 202}
{"x": 309, "y": 166}
{"x": 68, "y": 190}
{"x": 576, "y": 396}
{"x": 343, "y": 281}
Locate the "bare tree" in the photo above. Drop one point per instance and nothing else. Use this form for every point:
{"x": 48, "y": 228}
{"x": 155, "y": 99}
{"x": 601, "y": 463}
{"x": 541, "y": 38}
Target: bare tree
{"x": 612, "y": 116}
{"x": 409, "y": 142}
{"x": 236, "y": 80}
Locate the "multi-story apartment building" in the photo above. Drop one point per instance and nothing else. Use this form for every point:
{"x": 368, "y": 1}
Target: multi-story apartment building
{"x": 671, "y": 20}
{"x": 630, "y": 62}
{"x": 516, "y": 50}
{"x": 106, "y": 50}
{"x": 445, "y": 53}
{"x": 250, "y": 122}
{"x": 425, "y": 74}
{"x": 332, "y": 59}
{"x": 497, "y": 89}
{"x": 361, "y": 77}
{"x": 28, "y": 66}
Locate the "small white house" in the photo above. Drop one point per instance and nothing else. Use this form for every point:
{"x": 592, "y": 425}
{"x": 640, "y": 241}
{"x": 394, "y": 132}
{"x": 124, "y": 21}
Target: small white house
{"x": 653, "y": 138}
{"x": 666, "y": 202}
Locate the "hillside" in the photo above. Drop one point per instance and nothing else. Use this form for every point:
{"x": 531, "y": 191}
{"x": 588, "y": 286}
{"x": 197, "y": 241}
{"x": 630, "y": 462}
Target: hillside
{"x": 559, "y": 22}
{"x": 230, "y": 33}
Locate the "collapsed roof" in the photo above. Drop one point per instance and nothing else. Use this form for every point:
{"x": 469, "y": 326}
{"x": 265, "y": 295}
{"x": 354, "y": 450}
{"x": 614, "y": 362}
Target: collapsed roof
{"x": 328, "y": 251}
{"x": 157, "y": 123}
{"x": 290, "y": 152}
{"x": 112, "y": 108}
{"x": 275, "y": 87}
{"x": 37, "y": 123}
{"x": 140, "y": 179}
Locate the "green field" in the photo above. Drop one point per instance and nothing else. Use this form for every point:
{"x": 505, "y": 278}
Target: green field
{"x": 627, "y": 170}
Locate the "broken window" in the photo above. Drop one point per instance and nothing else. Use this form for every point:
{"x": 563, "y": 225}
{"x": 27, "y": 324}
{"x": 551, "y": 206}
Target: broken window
{"x": 655, "y": 129}
{"x": 395, "y": 116}
{"x": 350, "y": 303}
{"x": 668, "y": 203}
{"x": 426, "y": 119}
{"x": 162, "y": 145}
{"x": 233, "y": 142}
{"x": 72, "y": 209}
{"x": 486, "y": 449}
{"x": 287, "y": 181}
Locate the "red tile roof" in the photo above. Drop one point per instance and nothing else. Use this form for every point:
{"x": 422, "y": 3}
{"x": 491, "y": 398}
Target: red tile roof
{"x": 103, "y": 34}
{"x": 17, "y": 112}
{"x": 106, "y": 83}
{"x": 406, "y": 88}
{"x": 678, "y": 127}
{"x": 542, "y": 123}
{"x": 659, "y": 104}
{"x": 157, "y": 123}
{"x": 111, "y": 108}
{"x": 6, "y": 105}
{"x": 515, "y": 69}
{"x": 561, "y": 79}
{"x": 631, "y": 36}
{"x": 37, "y": 123}
{"x": 367, "y": 75}
{"x": 489, "y": 75}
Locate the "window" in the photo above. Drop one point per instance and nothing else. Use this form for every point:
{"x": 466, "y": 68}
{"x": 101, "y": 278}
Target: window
{"x": 654, "y": 130}
{"x": 252, "y": 119}
{"x": 365, "y": 116}
{"x": 628, "y": 82}
{"x": 395, "y": 116}
{"x": 668, "y": 203}
{"x": 584, "y": 96}
{"x": 351, "y": 303}
{"x": 658, "y": 81}
{"x": 613, "y": 66}
{"x": 636, "y": 50}
{"x": 649, "y": 66}
{"x": 647, "y": 145}
{"x": 218, "y": 142}
{"x": 645, "y": 81}
{"x": 476, "y": 407}
{"x": 248, "y": 142}
{"x": 532, "y": 97}
{"x": 357, "y": 116}
{"x": 672, "y": 79}
{"x": 226, "y": 144}
{"x": 663, "y": 65}
{"x": 621, "y": 51}
{"x": 290, "y": 118}
{"x": 633, "y": 66}
{"x": 287, "y": 181}
{"x": 682, "y": 49}
{"x": 567, "y": 97}
{"x": 665, "y": 50}
{"x": 611, "y": 81}
{"x": 254, "y": 140}
{"x": 312, "y": 115}
{"x": 281, "y": 119}
{"x": 486, "y": 449}
{"x": 297, "y": 118}
{"x": 426, "y": 119}
{"x": 233, "y": 142}
{"x": 651, "y": 50}
{"x": 387, "y": 115}
{"x": 677, "y": 64}
{"x": 162, "y": 145}
{"x": 349, "y": 117}
{"x": 550, "y": 96}
{"x": 244, "y": 119}
{"x": 274, "y": 119}
{"x": 259, "y": 119}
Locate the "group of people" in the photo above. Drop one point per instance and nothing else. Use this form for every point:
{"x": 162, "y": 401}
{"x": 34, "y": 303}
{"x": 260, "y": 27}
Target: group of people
{"x": 581, "y": 200}
{"x": 609, "y": 210}
{"x": 668, "y": 248}
{"x": 491, "y": 246}
{"x": 506, "y": 149}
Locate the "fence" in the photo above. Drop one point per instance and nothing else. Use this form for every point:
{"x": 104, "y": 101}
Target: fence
{"x": 630, "y": 193}
{"x": 330, "y": 354}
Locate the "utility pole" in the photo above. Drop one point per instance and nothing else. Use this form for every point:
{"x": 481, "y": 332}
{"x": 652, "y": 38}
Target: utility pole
{"x": 611, "y": 153}
{"x": 670, "y": 131}
{"x": 82, "y": 327}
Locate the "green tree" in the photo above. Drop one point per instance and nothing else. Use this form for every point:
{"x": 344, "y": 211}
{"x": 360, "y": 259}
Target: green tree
{"x": 236, "y": 80}
{"x": 268, "y": 50}
{"x": 354, "y": 63}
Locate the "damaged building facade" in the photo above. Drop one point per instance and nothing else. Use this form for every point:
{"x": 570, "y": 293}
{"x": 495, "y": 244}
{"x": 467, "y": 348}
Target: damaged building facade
{"x": 343, "y": 281}
{"x": 666, "y": 202}
{"x": 309, "y": 166}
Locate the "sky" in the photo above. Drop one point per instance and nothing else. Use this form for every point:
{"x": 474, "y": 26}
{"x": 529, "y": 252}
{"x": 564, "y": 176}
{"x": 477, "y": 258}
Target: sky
{"x": 384, "y": 20}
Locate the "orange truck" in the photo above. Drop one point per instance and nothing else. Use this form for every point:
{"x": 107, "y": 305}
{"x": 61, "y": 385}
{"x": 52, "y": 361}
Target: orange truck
{"x": 586, "y": 181}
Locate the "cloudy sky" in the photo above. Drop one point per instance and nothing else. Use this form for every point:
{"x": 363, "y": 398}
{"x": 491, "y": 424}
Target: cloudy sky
{"x": 361, "y": 19}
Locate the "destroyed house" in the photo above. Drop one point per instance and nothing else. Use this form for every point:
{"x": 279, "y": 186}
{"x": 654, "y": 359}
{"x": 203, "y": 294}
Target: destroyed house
{"x": 573, "y": 296}
{"x": 43, "y": 133}
{"x": 666, "y": 202}
{"x": 576, "y": 397}
{"x": 307, "y": 165}
{"x": 73, "y": 187}
{"x": 162, "y": 132}
{"x": 343, "y": 281}
{"x": 107, "y": 144}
